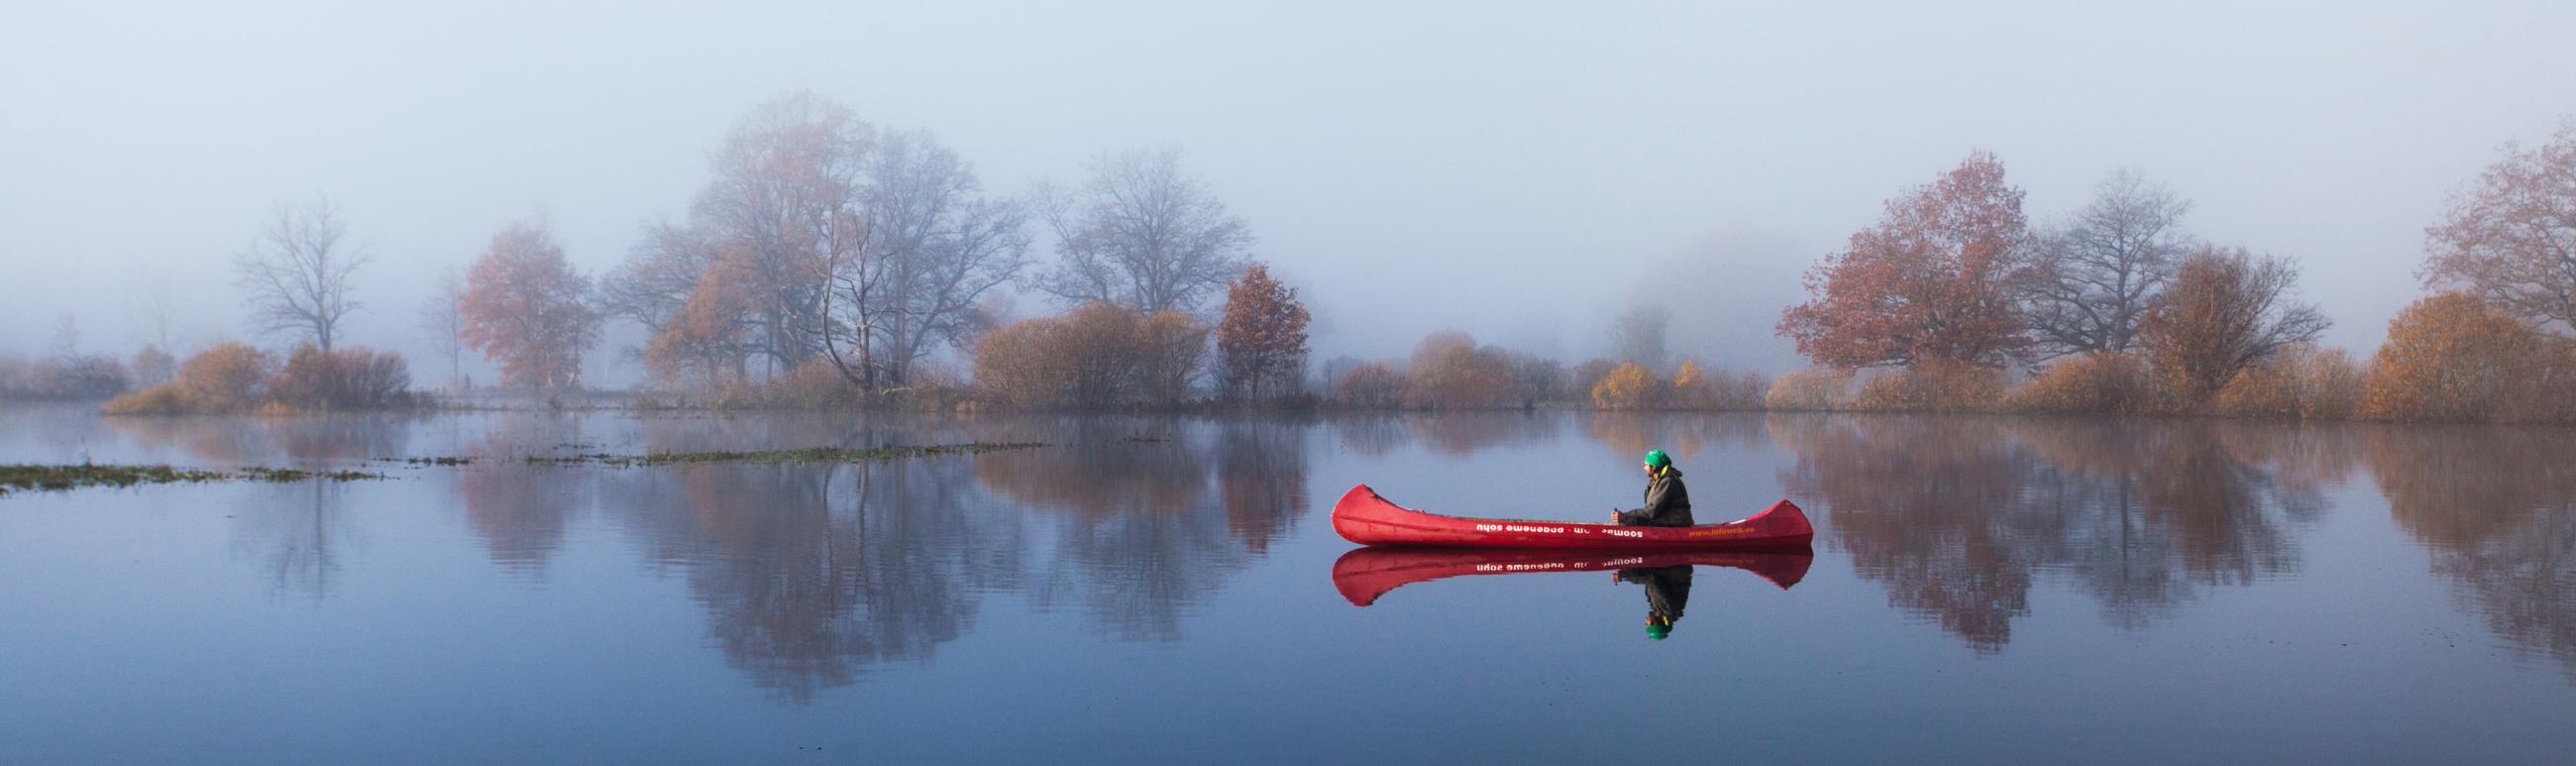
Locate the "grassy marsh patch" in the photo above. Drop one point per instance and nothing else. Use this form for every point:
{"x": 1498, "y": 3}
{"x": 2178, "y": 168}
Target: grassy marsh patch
{"x": 54, "y": 478}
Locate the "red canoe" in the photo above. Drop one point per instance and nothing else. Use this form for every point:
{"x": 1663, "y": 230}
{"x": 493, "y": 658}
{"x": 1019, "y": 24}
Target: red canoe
{"x": 1364, "y": 574}
{"x": 1363, "y": 517}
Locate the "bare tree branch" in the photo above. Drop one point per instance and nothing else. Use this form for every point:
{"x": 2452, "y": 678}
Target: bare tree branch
{"x": 295, "y": 275}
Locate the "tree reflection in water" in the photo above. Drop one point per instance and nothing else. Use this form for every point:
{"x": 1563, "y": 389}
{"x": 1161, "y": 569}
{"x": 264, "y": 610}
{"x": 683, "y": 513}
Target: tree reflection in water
{"x": 1632, "y": 433}
{"x": 811, "y": 572}
{"x": 1142, "y": 541}
{"x": 1464, "y": 434}
{"x": 1957, "y": 515}
{"x": 303, "y": 440}
{"x": 2496, "y": 507}
{"x": 519, "y": 512}
{"x": 1371, "y": 434}
{"x": 296, "y": 533}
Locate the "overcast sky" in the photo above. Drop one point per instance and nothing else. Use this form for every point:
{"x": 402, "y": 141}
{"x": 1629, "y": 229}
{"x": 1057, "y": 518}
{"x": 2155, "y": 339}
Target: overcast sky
{"x": 1521, "y": 172}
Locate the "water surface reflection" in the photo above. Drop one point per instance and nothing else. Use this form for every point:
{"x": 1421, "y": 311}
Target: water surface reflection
{"x": 2497, "y": 509}
{"x": 2174, "y": 576}
{"x": 1955, "y": 517}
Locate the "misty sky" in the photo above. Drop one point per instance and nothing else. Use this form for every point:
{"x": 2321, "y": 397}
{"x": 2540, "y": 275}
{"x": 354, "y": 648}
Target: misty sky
{"x": 1517, "y": 172}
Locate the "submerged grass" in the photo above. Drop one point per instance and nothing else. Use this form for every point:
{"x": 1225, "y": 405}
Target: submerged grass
{"x": 20, "y": 477}
{"x": 807, "y": 455}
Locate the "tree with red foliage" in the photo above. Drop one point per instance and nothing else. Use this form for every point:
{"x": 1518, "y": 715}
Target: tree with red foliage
{"x": 2512, "y": 239}
{"x": 527, "y": 309}
{"x": 1263, "y": 335}
{"x": 1935, "y": 280}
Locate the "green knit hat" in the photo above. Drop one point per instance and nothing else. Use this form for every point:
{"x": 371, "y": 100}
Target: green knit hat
{"x": 1658, "y": 459}
{"x": 1658, "y": 631}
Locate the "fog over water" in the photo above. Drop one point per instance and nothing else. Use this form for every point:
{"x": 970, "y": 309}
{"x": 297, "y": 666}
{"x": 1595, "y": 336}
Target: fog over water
{"x": 1517, "y": 172}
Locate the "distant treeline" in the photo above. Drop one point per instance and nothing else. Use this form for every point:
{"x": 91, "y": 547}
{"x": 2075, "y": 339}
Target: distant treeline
{"x": 2118, "y": 310}
{"x": 831, "y": 263}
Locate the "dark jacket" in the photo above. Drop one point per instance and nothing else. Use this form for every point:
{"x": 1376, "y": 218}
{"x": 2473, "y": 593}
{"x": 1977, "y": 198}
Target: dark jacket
{"x": 1667, "y": 588}
{"x": 1667, "y": 503}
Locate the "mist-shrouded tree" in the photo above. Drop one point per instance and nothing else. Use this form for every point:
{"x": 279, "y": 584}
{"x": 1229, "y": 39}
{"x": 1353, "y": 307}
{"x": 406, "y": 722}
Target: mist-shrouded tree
{"x": 442, "y": 321}
{"x": 1262, "y": 338}
{"x": 152, "y": 366}
{"x": 2225, "y": 310}
{"x": 1937, "y": 279}
{"x": 67, "y": 338}
{"x": 527, "y": 309}
{"x": 1639, "y": 335}
{"x": 1450, "y": 370}
{"x": 712, "y": 332}
{"x": 295, "y": 274}
{"x": 783, "y": 213}
{"x": 2512, "y": 238}
{"x": 821, "y": 238}
{"x": 1141, "y": 233}
{"x": 933, "y": 246}
{"x": 2103, "y": 266}
{"x": 659, "y": 274}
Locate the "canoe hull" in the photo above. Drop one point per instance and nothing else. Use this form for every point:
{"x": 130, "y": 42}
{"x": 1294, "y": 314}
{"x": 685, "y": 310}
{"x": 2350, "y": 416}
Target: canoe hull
{"x": 1365, "y": 518}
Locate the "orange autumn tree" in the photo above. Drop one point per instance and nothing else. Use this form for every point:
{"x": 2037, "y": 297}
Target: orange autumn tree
{"x": 711, "y": 333}
{"x": 1628, "y": 387}
{"x": 2457, "y": 356}
{"x": 1934, "y": 280}
{"x": 1450, "y": 371}
{"x": 528, "y": 310}
{"x": 1262, "y": 338}
{"x": 2225, "y": 311}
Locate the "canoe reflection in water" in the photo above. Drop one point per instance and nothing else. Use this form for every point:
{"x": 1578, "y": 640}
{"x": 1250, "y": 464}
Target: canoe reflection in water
{"x": 1365, "y": 574}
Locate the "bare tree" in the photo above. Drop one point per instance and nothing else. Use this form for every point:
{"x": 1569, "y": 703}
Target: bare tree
{"x": 2104, "y": 266}
{"x": 442, "y": 319}
{"x": 819, "y": 237}
{"x": 660, "y": 273}
{"x": 295, "y": 275}
{"x": 65, "y": 345}
{"x": 938, "y": 247}
{"x": 1638, "y": 335}
{"x": 1140, "y": 233}
{"x": 152, "y": 310}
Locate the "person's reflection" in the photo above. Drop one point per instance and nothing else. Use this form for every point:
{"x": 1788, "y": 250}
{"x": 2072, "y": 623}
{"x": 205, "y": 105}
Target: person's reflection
{"x": 1667, "y": 593}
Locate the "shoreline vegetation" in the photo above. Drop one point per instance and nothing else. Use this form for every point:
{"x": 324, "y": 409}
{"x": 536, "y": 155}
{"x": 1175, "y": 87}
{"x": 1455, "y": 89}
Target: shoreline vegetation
{"x": 1957, "y": 299}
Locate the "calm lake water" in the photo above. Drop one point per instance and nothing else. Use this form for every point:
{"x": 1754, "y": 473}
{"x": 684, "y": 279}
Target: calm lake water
{"x": 1981, "y": 590}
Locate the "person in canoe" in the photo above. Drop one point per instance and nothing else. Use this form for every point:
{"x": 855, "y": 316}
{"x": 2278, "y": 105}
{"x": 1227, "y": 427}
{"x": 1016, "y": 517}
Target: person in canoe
{"x": 1667, "y": 591}
{"x": 1667, "y": 501}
